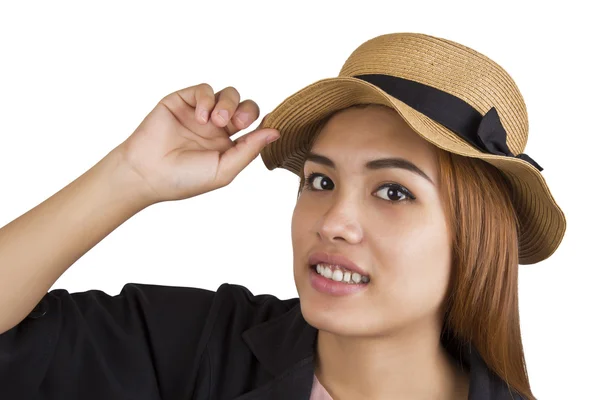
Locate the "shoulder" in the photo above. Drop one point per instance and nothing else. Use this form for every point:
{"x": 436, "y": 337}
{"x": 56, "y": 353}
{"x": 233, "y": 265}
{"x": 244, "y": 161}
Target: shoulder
{"x": 230, "y": 307}
{"x": 229, "y": 298}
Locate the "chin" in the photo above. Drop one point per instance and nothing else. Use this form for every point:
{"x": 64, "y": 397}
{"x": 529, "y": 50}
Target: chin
{"x": 328, "y": 318}
{"x": 344, "y": 315}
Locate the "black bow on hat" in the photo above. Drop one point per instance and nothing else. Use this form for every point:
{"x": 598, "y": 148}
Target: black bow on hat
{"x": 484, "y": 132}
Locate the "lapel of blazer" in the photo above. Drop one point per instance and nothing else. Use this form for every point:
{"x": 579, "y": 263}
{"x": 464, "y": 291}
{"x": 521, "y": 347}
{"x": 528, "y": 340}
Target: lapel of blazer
{"x": 285, "y": 346}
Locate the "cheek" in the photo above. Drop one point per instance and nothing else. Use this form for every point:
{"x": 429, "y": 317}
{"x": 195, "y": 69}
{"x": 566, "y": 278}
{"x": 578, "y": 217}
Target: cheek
{"x": 304, "y": 217}
{"x": 300, "y": 228}
{"x": 299, "y": 225}
{"x": 418, "y": 253}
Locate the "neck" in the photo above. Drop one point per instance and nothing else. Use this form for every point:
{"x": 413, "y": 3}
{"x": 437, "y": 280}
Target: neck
{"x": 410, "y": 365}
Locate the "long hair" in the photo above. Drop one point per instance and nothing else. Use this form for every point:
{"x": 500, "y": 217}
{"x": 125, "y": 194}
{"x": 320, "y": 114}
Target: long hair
{"x": 482, "y": 304}
{"x": 482, "y": 301}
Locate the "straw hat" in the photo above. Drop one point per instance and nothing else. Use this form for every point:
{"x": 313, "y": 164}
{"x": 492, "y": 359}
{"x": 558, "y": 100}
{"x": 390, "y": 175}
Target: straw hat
{"x": 453, "y": 97}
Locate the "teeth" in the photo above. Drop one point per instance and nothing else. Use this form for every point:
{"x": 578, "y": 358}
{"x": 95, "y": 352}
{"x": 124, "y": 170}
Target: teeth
{"x": 337, "y": 274}
{"x": 347, "y": 276}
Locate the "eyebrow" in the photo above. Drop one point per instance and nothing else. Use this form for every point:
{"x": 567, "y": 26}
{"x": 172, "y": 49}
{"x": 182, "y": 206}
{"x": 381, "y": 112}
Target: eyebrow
{"x": 393, "y": 162}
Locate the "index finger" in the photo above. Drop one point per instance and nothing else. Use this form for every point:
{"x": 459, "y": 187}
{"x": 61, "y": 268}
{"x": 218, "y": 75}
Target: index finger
{"x": 191, "y": 95}
{"x": 199, "y": 97}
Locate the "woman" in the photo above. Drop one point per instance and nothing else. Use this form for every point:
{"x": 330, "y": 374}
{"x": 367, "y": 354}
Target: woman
{"x": 415, "y": 207}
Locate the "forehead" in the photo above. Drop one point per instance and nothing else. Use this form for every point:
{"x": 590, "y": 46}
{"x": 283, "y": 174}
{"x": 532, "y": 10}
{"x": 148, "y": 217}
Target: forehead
{"x": 354, "y": 136}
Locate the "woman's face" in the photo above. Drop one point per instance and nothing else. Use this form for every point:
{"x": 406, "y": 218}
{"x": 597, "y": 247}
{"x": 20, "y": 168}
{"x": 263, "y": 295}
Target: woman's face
{"x": 402, "y": 243}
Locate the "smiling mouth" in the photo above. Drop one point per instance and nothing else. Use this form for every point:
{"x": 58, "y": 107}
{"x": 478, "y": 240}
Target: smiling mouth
{"x": 340, "y": 274}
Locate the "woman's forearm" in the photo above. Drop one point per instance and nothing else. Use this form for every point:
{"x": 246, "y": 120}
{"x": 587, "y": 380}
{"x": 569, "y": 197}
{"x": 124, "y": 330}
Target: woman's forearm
{"x": 40, "y": 245}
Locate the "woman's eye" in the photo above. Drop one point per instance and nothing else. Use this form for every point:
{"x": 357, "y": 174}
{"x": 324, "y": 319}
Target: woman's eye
{"x": 321, "y": 181}
{"x": 395, "y": 193}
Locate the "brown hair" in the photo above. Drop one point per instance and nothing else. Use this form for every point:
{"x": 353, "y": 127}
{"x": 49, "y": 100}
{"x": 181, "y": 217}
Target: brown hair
{"x": 482, "y": 302}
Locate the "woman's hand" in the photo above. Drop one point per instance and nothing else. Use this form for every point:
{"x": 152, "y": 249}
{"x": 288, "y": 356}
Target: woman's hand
{"x": 183, "y": 146}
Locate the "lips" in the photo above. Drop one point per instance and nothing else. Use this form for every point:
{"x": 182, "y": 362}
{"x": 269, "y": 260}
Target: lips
{"x": 334, "y": 259}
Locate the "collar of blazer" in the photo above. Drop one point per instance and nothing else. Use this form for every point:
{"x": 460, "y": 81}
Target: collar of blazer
{"x": 284, "y": 347}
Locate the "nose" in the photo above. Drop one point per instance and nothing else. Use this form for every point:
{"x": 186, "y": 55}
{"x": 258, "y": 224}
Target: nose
{"x": 341, "y": 222}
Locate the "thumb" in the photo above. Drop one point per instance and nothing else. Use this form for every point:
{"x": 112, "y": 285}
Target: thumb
{"x": 246, "y": 149}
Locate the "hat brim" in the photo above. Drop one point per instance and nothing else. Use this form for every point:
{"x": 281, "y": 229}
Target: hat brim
{"x": 298, "y": 117}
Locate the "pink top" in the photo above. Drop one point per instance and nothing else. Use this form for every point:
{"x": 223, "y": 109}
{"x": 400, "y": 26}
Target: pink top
{"x": 318, "y": 391}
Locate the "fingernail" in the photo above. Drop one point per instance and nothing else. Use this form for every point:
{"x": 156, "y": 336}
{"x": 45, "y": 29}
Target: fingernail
{"x": 224, "y": 115}
{"x": 242, "y": 117}
{"x": 204, "y": 115}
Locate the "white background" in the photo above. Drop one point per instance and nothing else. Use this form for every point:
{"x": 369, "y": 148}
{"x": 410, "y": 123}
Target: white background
{"x": 76, "y": 79}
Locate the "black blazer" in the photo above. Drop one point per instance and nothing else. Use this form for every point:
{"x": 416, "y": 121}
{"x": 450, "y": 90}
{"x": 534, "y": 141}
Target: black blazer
{"x": 157, "y": 342}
